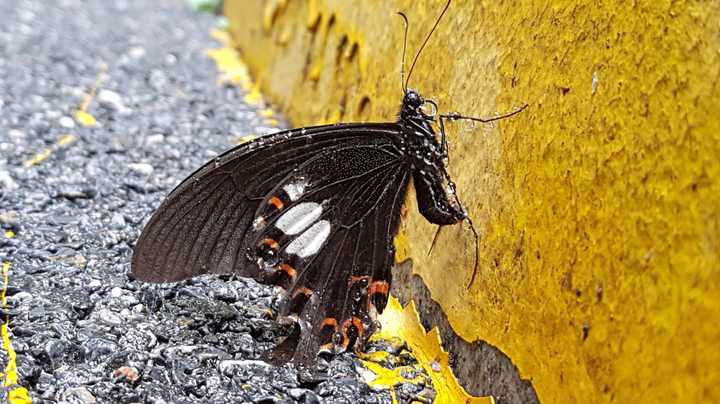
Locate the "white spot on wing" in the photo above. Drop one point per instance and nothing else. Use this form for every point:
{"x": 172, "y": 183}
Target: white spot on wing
{"x": 258, "y": 223}
{"x": 310, "y": 241}
{"x": 296, "y": 189}
{"x": 299, "y": 217}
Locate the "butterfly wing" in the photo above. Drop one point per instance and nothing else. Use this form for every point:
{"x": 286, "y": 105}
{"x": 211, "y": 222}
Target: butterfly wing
{"x": 331, "y": 245}
{"x": 313, "y": 210}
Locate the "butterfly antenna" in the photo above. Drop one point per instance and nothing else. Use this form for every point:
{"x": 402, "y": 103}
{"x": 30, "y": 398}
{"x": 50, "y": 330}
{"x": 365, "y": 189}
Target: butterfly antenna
{"x": 402, "y": 66}
{"x": 417, "y": 55}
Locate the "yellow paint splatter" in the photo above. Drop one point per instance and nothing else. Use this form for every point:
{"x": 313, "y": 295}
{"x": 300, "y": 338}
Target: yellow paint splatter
{"x": 39, "y": 157}
{"x": 426, "y": 347}
{"x": 232, "y": 69}
{"x": 389, "y": 378}
{"x": 245, "y": 138}
{"x": 85, "y": 119}
{"x": 228, "y": 62}
{"x": 402, "y": 247}
{"x": 254, "y": 97}
{"x": 220, "y": 36}
{"x": 378, "y": 356}
{"x": 63, "y": 141}
{"x": 17, "y": 394}
{"x": 82, "y": 116}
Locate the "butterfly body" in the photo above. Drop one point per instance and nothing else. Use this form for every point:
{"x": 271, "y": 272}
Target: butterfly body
{"x": 427, "y": 161}
{"x": 311, "y": 210}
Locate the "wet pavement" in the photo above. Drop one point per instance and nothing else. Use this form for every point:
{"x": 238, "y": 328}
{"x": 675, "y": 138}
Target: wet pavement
{"x": 73, "y": 199}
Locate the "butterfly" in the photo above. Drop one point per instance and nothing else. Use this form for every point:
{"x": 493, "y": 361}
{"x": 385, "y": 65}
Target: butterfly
{"x": 313, "y": 211}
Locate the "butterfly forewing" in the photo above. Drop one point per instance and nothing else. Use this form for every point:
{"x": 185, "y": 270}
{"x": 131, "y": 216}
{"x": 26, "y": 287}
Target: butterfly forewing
{"x": 313, "y": 210}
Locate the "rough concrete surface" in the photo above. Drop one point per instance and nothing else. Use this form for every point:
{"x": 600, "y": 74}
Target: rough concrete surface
{"x": 73, "y": 199}
{"x": 598, "y": 207}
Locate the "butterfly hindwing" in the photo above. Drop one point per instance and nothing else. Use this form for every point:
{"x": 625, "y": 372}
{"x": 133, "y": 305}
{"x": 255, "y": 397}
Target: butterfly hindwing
{"x": 330, "y": 245}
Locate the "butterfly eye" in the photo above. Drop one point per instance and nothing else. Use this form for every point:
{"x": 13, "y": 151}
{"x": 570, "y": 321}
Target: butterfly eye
{"x": 429, "y": 108}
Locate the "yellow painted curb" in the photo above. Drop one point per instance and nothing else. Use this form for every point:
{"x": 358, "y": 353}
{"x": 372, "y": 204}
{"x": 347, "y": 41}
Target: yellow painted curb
{"x": 599, "y": 206}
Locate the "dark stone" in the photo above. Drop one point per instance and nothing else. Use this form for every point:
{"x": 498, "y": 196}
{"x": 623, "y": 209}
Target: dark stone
{"x": 152, "y": 300}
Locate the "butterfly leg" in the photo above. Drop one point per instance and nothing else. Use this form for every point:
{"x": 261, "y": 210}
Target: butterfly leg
{"x": 455, "y": 116}
{"x": 436, "y": 206}
{"x": 477, "y": 251}
{"x": 465, "y": 217}
{"x": 443, "y": 138}
{"x": 434, "y": 240}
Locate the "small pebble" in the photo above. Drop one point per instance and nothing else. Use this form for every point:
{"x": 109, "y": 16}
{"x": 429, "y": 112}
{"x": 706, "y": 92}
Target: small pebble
{"x": 116, "y": 292}
{"x": 127, "y": 374}
{"x": 78, "y": 395}
{"x": 110, "y": 99}
{"x": 136, "y": 52}
{"x": 142, "y": 168}
{"x": 155, "y": 139}
{"x": 6, "y": 181}
{"x": 67, "y": 122}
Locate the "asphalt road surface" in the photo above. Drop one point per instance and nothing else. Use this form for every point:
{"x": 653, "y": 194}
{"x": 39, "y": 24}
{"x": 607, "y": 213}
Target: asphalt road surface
{"x": 73, "y": 199}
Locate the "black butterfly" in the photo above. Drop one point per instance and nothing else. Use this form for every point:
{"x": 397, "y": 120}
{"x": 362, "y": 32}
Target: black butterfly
{"x": 312, "y": 210}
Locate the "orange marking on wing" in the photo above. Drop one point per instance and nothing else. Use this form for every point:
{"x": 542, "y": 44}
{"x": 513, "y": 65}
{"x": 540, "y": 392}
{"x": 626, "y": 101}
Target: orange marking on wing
{"x": 329, "y": 321}
{"x": 379, "y": 287}
{"x": 271, "y": 243}
{"x": 305, "y": 291}
{"x": 276, "y": 202}
{"x": 355, "y": 279}
{"x": 329, "y": 347}
{"x": 290, "y": 271}
{"x": 357, "y": 323}
{"x": 353, "y": 322}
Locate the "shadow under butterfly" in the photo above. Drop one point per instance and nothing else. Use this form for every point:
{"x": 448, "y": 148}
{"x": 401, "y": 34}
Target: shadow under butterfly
{"x": 314, "y": 211}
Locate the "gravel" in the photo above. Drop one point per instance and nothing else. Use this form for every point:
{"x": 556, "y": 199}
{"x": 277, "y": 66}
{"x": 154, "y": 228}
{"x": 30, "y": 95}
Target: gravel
{"x": 82, "y": 330}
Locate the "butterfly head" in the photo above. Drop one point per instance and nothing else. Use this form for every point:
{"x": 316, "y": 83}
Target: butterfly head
{"x": 414, "y": 106}
{"x": 412, "y": 99}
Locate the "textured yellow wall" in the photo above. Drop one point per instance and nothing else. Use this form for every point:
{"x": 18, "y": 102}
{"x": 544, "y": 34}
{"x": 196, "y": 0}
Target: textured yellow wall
{"x": 599, "y": 206}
